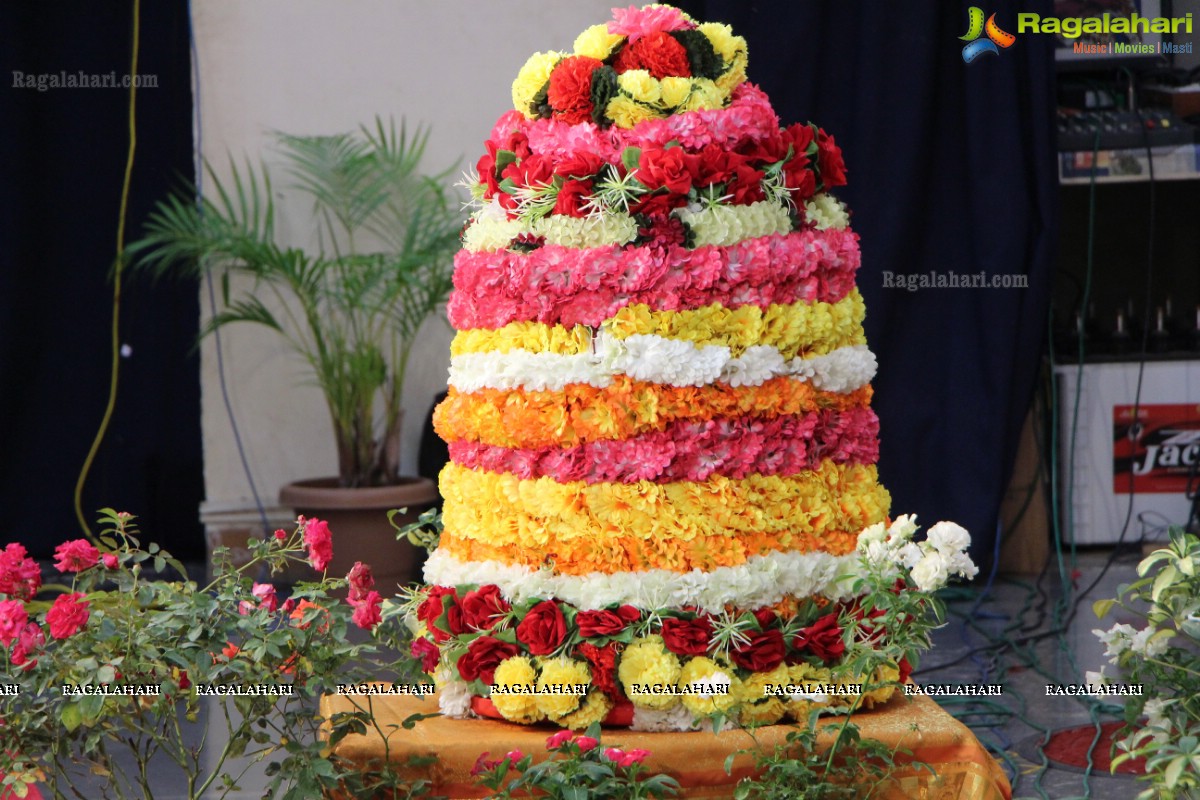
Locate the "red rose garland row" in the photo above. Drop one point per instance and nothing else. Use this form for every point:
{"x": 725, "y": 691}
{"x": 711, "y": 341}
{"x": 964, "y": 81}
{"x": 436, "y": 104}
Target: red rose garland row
{"x": 693, "y": 450}
{"x": 482, "y": 620}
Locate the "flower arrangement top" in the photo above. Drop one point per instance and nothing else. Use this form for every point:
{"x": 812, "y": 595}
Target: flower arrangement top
{"x": 646, "y": 63}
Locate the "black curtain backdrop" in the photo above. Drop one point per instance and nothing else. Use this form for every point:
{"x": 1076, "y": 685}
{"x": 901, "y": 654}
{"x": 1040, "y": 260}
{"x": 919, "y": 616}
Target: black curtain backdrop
{"x": 951, "y": 167}
{"x": 62, "y": 152}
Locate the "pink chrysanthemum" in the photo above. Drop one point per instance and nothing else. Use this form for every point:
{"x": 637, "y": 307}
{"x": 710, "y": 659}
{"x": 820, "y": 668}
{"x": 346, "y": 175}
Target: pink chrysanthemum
{"x": 637, "y": 22}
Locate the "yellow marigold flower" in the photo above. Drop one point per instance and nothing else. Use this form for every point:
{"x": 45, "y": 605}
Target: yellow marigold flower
{"x": 735, "y": 73}
{"x": 766, "y": 713}
{"x": 722, "y": 39}
{"x": 594, "y": 709}
{"x": 531, "y": 79}
{"x": 887, "y": 675}
{"x": 557, "y": 684}
{"x": 754, "y": 688}
{"x": 520, "y": 708}
{"x": 718, "y": 682}
{"x": 647, "y": 663}
{"x": 625, "y": 112}
{"x": 675, "y": 90}
{"x": 705, "y": 95}
{"x": 640, "y": 85}
{"x": 597, "y": 42}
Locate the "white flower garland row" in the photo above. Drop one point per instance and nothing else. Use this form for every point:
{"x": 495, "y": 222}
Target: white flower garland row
{"x": 761, "y": 581}
{"x": 658, "y": 359}
{"x": 825, "y": 211}
{"x": 718, "y": 225}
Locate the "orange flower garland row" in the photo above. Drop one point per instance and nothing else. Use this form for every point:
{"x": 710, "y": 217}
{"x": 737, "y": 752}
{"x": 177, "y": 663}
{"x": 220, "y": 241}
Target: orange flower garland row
{"x": 609, "y": 527}
{"x": 583, "y": 413}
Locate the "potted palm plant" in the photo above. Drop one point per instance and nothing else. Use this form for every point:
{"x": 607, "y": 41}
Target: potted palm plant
{"x": 350, "y": 305}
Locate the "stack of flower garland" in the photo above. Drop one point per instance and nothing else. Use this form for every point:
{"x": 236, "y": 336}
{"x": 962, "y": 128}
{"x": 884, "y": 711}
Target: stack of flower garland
{"x": 659, "y": 425}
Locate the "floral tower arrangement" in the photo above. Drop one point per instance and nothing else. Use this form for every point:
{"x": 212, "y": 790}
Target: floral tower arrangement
{"x": 662, "y": 447}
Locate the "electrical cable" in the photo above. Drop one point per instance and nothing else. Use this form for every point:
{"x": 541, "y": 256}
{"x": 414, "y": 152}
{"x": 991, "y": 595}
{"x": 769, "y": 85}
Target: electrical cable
{"x": 118, "y": 267}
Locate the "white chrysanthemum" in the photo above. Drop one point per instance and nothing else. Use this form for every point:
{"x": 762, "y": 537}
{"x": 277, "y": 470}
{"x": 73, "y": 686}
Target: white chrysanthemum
{"x": 726, "y": 225}
{"x": 843, "y": 370}
{"x": 825, "y": 211}
{"x": 948, "y": 537}
{"x": 586, "y": 232}
{"x": 454, "y": 699}
{"x": 902, "y": 529}
{"x": 757, "y": 365}
{"x": 910, "y": 555}
{"x": 674, "y": 361}
{"x": 655, "y": 721}
{"x": 1095, "y": 678}
{"x": 872, "y": 534}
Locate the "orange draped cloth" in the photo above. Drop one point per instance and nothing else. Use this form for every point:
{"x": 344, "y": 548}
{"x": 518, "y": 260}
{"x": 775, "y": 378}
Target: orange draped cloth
{"x": 450, "y": 747}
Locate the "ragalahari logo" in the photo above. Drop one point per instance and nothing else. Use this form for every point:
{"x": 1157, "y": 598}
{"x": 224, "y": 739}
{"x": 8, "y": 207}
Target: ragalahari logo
{"x": 996, "y": 40}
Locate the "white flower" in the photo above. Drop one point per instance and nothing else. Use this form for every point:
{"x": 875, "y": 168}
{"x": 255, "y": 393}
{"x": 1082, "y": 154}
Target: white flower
{"x": 873, "y": 533}
{"x": 675, "y": 719}
{"x": 910, "y": 554}
{"x": 931, "y": 572}
{"x": 818, "y": 697}
{"x": 949, "y": 537}
{"x": 1142, "y": 645}
{"x": 1095, "y": 678}
{"x": 961, "y": 564}
{"x": 825, "y": 211}
{"x": 454, "y": 699}
{"x": 902, "y": 529}
{"x": 1116, "y": 639}
{"x": 717, "y": 683}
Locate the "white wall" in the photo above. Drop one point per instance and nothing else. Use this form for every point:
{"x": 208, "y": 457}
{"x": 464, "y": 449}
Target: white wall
{"x": 325, "y": 66}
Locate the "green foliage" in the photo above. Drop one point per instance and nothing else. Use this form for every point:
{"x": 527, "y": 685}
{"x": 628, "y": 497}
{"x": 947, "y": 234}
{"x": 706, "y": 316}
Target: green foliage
{"x": 352, "y": 304}
{"x": 191, "y": 647}
{"x": 1162, "y": 724}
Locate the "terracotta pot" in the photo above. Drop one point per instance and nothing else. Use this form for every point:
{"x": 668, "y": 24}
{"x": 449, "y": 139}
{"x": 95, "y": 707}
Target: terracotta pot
{"x": 358, "y": 521}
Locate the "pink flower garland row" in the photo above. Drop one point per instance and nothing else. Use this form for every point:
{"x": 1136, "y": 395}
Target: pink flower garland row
{"x": 749, "y": 118}
{"x": 692, "y": 451}
{"x": 567, "y": 286}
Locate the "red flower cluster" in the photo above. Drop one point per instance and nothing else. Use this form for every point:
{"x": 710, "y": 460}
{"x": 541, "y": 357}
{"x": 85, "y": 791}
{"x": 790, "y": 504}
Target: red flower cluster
{"x": 593, "y": 624}
{"x": 483, "y": 655}
{"x": 67, "y": 615}
{"x": 319, "y": 542}
{"x": 570, "y": 88}
{"x": 543, "y": 629}
{"x": 482, "y": 607}
{"x": 20, "y": 576}
{"x": 658, "y": 53}
{"x": 822, "y": 639}
{"x": 76, "y": 556}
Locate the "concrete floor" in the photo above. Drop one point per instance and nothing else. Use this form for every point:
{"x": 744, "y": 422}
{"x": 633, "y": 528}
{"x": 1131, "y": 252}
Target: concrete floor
{"x": 1014, "y": 728}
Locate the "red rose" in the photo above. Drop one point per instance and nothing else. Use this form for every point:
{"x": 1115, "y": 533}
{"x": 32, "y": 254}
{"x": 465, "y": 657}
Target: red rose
{"x": 483, "y": 655}
{"x": 765, "y": 618}
{"x": 481, "y": 607}
{"x": 745, "y": 186}
{"x": 76, "y": 556}
{"x": 319, "y": 542}
{"x": 829, "y": 161}
{"x": 666, "y": 168}
{"x": 427, "y": 651}
{"x": 713, "y": 164}
{"x": 905, "y": 669}
{"x": 603, "y": 661}
{"x": 20, "y": 576}
{"x": 763, "y": 652}
{"x": 769, "y": 150}
{"x": 68, "y": 614}
{"x": 687, "y": 637}
{"x": 570, "y": 198}
{"x": 29, "y": 641}
{"x": 367, "y": 611}
{"x": 543, "y": 628}
{"x": 799, "y": 137}
{"x": 605, "y": 623}
{"x": 823, "y": 638}
{"x": 13, "y": 618}
{"x": 658, "y": 206}
{"x": 799, "y": 178}
{"x": 486, "y": 167}
{"x": 580, "y": 164}
{"x": 430, "y": 611}
{"x": 658, "y": 53}
{"x": 570, "y": 90}
{"x": 532, "y": 170}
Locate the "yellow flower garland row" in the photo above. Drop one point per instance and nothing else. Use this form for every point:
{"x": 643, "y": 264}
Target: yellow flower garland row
{"x": 678, "y": 526}
{"x": 583, "y": 413}
{"x": 796, "y": 329}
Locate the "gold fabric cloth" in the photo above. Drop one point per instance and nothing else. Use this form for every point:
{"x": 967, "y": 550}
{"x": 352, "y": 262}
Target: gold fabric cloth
{"x": 965, "y": 770}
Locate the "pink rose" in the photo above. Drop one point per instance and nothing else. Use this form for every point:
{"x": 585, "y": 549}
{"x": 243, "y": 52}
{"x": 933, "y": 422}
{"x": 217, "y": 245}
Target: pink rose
{"x": 75, "y": 556}
{"x": 586, "y": 743}
{"x": 557, "y": 740}
{"x": 266, "y": 596}
{"x": 361, "y": 581}
{"x": 366, "y": 612}
{"x": 13, "y": 617}
{"x": 319, "y": 542}
{"x": 110, "y": 560}
{"x": 68, "y": 614}
{"x": 427, "y": 651}
{"x": 29, "y": 640}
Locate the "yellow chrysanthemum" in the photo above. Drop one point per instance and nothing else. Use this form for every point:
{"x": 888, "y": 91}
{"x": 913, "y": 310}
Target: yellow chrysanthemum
{"x": 887, "y": 675}
{"x": 647, "y": 663}
{"x": 803, "y": 674}
{"x": 675, "y": 90}
{"x": 705, "y": 94}
{"x": 722, "y": 39}
{"x": 536, "y": 337}
{"x": 597, "y": 42}
{"x": 625, "y": 112}
{"x": 735, "y": 73}
{"x": 766, "y": 713}
{"x": 640, "y": 85}
{"x": 717, "y": 681}
{"x": 557, "y": 686}
{"x": 754, "y": 688}
{"x": 594, "y": 709}
{"x": 531, "y": 79}
{"x": 520, "y": 708}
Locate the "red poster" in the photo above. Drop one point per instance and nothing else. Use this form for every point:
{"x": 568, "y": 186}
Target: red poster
{"x": 1159, "y": 452}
